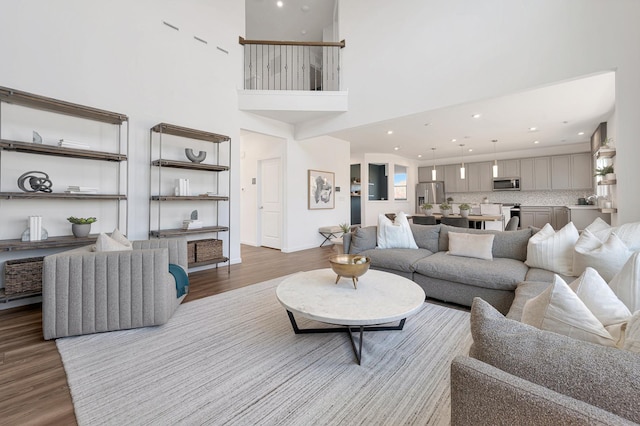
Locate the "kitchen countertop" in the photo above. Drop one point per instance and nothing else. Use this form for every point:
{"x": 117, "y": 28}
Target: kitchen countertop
{"x": 582, "y": 207}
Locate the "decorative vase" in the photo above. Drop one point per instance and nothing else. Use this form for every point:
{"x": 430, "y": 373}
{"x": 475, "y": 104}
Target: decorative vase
{"x": 610, "y": 176}
{"x": 80, "y": 230}
{"x": 428, "y": 212}
{"x": 446, "y": 213}
{"x": 464, "y": 213}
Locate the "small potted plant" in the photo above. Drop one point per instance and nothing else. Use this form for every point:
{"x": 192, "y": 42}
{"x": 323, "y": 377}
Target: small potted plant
{"x": 464, "y": 209}
{"x": 80, "y": 226}
{"x": 445, "y": 209}
{"x": 427, "y": 208}
{"x": 345, "y": 227}
{"x": 606, "y": 172}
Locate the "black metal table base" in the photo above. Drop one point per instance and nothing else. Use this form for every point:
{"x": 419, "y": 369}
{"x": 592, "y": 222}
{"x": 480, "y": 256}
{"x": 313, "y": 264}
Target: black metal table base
{"x": 346, "y": 329}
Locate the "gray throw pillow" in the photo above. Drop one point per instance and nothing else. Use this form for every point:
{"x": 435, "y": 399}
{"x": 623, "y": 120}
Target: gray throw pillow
{"x": 426, "y": 236}
{"x": 602, "y": 376}
{"x": 363, "y": 239}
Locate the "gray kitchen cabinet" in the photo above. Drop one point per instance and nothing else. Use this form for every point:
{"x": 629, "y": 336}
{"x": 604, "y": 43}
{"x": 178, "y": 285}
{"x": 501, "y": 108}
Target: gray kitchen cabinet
{"x": 583, "y": 216}
{"x": 424, "y": 173}
{"x": 560, "y": 217}
{"x": 479, "y": 176}
{"x": 535, "y": 173}
{"x": 535, "y": 216}
{"x": 582, "y": 171}
{"x": 452, "y": 181}
{"x": 561, "y": 172}
{"x": 508, "y": 168}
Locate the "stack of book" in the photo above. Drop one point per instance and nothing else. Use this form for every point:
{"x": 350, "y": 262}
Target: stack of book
{"x": 72, "y": 189}
{"x": 35, "y": 228}
{"x": 72, "y": 144}
{"x": 182, "y": 188}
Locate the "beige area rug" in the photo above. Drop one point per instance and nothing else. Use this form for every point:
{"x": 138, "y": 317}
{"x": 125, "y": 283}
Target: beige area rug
{"x": 234, "y": 359}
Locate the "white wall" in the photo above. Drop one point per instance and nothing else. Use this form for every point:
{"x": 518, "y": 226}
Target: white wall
{"x": 119, "y": 56}
{"x": 417, "y": 55}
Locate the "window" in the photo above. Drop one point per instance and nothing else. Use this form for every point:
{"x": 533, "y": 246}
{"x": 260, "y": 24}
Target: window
{"x": 400, "y": 182}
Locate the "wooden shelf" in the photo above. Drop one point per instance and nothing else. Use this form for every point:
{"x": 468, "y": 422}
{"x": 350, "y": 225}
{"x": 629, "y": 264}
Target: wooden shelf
{"x": 185, "y": 132}
{"x": 606, "y": 153}
{"x": 5, "y": 299}
{"x": 43, "y": 103}
{"x": 608, "y": 182}
{"x": 34, "y": 148}
{"x": 42, "y": 195}
{"x": 209, "y": 262}
{"x": 189, "y": 198}
{"x": 179, "y": 231}
{"x": 51, "y": 242}
{"x": 611, "y": 210}
{"x": 189, "y": 165}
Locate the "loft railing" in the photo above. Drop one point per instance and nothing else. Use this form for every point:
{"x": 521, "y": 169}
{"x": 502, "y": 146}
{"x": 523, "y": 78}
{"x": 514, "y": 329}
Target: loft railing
{"x": 291, "y": 65}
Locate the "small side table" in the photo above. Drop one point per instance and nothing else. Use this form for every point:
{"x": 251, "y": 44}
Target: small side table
{"x": 329, "y": 232}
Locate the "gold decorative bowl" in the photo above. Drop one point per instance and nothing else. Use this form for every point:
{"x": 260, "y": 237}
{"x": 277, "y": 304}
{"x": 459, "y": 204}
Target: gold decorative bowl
{"x": 350, "y": 266}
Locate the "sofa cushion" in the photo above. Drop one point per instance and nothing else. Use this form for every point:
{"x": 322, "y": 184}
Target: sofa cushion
{"x": 553, "y": 250}
{"x": 470, "y": 245}
{"x": 395, "y": 234}
{"x": 363, "y": 239}
{"x": 506, "y": 244}
{"x": 559, "y": 309}
{"x": 426, "y": 236}
{"x": 606, "y": 257}
{"x": 546, "y": 276}
{"x": 499, "y": 273}
{"x": 396, "y": 259}
{"x": 606, "y": 377}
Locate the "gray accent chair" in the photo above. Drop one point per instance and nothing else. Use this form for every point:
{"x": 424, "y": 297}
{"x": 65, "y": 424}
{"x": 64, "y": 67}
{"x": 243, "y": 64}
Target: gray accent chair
{"x": 86, "y": 292}
{"x": 513, "y": 223}
{"x": 424, "y": 220}
{"x": 459, "y": 222}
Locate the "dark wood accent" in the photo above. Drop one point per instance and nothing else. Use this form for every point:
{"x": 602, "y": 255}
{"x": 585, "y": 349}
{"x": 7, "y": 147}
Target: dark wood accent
{"x": 180, "y": 232}
{"x": 35, "y": 148}
{"x": 189, "y": 198}
{"x": 185, "y": 132}
{"x": 189, "y": 165}
{"x": 33, "y": 384}
{"x": 339, "y": 44}
{"x": 51, "y": 242}
{"x": 209, "y": 262}
{"x": 40, "y": 195}
{"x": 43, "y": 103}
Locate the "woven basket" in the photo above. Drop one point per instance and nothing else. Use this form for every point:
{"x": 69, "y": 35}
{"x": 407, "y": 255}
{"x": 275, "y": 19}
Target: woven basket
{"x": 23, "y": 276}
{"x": 208, "y": 250}
{"x": 191, "y": 251}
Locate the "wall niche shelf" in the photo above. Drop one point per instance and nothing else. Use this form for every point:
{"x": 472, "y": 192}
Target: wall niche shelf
{"x": 605, "y": 153}
{"x": 608, "y": 182}
{"x": 214, "y": 167}
{"x": 120, "y": 157}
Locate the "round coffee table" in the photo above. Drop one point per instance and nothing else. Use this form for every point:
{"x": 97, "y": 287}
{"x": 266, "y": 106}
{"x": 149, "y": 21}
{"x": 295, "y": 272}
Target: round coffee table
{"x": 380, "y": 298}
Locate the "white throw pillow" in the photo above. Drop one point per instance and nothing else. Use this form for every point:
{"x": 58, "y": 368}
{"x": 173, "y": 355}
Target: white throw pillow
{"x": 596, "y": 294}
{"x": 626, "y": 283}
{"x": 629, "y": 233}
{"x": 607, "y": 257}
{"x": 395, "y": 234}
{"x": 471, "y": 245}
{"x": 552, "y": 250}
{"x": 106, "y": 243}
{"x": 559, "y": 309}
{"x": 119, "y": 237}
{"x": 598, "y": 226}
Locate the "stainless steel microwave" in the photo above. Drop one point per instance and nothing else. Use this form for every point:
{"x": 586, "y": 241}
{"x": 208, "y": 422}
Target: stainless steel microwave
{"x": 506, "y": 184}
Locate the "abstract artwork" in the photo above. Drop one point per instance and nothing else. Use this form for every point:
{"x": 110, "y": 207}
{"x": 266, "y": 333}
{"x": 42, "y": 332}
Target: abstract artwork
{"x": 321, "y": 188}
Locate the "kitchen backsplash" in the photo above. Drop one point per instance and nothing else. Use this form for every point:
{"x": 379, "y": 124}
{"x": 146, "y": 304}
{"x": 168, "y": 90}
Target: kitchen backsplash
{"x": 525, "y": 198}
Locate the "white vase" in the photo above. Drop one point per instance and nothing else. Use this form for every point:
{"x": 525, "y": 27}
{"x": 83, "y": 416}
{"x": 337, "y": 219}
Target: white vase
{"x": 464, "y": 213}
{"x": 428, "y": 212}
{"x": 445, "y": 213}
{"x": 610, "y": 176}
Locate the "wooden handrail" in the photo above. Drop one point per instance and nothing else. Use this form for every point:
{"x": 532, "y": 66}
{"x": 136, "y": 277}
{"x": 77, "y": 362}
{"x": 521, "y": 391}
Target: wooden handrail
{"x": 339, "y": 44}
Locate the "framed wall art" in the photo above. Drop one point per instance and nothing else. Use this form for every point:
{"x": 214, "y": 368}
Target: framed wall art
{"x": 321, "y": 190}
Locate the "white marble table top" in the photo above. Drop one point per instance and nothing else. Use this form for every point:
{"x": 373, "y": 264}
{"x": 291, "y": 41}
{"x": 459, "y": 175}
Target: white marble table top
{"x": 381, "y": 297}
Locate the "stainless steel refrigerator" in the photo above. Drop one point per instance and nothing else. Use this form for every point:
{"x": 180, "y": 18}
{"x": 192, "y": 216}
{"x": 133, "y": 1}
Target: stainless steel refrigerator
{"x": 429, "y": 192}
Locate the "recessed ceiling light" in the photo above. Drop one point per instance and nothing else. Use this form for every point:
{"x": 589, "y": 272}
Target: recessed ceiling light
{"x": 279, "y": 3}
{"x": 470, "y": 149}
{"x": 536, "y": 141}
{"x": 389, "y": 132}
{"x": 580, "y": 133}
{"x": 454, "y": 140}
{"x": 533, "y": 129}
{"x": 476, "y": 116}
{"x": 303, "y": 32}
{"x": 396, "y": 148}
{"x": 419, "y": 155}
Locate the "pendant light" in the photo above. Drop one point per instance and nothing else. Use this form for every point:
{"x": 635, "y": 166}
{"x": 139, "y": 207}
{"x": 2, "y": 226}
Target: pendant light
{"x": 462, "y": 169}
{"x": 434, "y": 174}
{"x": 495, "y": 159}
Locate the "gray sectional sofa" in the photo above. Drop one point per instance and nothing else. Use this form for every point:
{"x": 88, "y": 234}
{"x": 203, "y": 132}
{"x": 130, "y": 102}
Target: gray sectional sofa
{"x": 449, "y": 278}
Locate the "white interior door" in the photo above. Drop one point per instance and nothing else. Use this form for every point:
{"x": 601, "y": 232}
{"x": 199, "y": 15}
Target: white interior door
{"x": 270, "y": 203}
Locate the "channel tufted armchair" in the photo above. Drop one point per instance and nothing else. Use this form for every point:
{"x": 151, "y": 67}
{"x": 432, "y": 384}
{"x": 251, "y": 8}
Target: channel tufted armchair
{"x": 86, "y": 292}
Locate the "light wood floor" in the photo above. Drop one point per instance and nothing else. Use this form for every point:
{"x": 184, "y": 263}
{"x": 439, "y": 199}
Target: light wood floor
{"x": 33, "y": 384}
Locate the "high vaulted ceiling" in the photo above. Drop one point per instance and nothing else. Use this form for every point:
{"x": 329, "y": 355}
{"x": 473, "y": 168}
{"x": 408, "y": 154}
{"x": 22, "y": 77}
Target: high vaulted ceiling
{"x": 562, "y": 114}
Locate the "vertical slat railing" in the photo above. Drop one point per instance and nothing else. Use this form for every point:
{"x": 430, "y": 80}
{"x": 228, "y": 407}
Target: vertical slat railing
{"x": 291, "y": 65}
